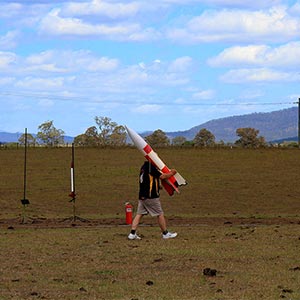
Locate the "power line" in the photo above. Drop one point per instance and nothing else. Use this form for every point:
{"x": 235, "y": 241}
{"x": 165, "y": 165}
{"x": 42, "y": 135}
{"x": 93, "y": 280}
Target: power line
{"x": 128, "y": 102}
{"x": 40, "y": 96}
{"x": 236, "y": 104}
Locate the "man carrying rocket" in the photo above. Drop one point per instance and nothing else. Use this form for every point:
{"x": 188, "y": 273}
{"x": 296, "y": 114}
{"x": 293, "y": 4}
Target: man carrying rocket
{"x": 152, "y": 173}
{"x": 149, "y": 201}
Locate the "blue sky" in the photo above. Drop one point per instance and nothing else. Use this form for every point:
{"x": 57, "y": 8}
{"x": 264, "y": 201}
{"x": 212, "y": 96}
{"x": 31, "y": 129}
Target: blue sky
{"x": 159, "y": 64}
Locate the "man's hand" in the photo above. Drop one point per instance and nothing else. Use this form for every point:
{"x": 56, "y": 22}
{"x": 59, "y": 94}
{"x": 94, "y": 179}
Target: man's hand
{"x": 173, "y": 171}
{"x": 168, "y": 175}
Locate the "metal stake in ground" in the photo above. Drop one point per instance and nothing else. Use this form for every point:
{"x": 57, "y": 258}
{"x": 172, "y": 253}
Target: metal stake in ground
{"x": 25, "y": 202}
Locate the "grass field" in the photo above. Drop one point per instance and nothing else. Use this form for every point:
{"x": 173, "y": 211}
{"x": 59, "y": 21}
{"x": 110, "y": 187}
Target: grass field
{"x": 255, "y": 253}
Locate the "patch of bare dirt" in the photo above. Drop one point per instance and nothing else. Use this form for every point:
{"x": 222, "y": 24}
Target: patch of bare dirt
{"x": 172, "y": 221}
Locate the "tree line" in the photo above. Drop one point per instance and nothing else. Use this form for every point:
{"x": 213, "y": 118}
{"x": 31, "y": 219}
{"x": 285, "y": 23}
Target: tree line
{"x": 108, "y": 133}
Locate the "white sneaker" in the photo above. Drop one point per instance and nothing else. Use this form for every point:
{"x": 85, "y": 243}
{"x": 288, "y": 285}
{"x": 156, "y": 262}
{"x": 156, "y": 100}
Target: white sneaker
{"x": 133, "y": 237}
{"x": 170, "y": 235}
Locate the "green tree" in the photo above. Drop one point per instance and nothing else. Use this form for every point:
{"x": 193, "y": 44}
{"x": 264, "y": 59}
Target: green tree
{"x": 50, "y": 135}
{"x": 106, "y": 127}
{"x": 89, "y": 138}
{"x": 80, "y": 140}
{"x": 249, "y": 138}
{"x": 178, "y": 141}
{"x": 30, "y": 139}
{"x": 118, "y": 136}
{"x": 92, "y": 136}
{"x": 158, "y": 139}
{"x": 204, "y": 138}
{"x": 108, "y": 133}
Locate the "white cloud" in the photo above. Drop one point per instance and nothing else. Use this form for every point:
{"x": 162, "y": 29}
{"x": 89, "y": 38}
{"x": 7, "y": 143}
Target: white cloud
{"x": 91, "y": 77}
{"x": 146, "y": 77}
{"x": 147, "y": 108}
{"x": 238, "y": 55}
{"x": 260, "y": 75}
{"x": 285, "y": 56}
{"x": 34, "y": 83}
{"x": 251, "y": 94}
{"x": 95, "y": 77}
{"x": 46, "y": 103}
{"x": 295, "y": 9}
{"x": 204, "y": 95}
{"x": 54, "y": 24}
{"x": 70, "y": 61}
{"x": 142, "y": 65}
{"x": 9, "y": 40}
{"x": 23, "y": 15}
{"x": 102, "y": 64}
{"x": 181, "y": 64}
{"x": 40, "y": 58}
{"x": 7, "y": 59}
{"x": 238, "y": 26}
{"x": 9, "y": 10}
{"x": 243, "y": 3}
{"x": 101, "y": 8}
{"x": 50, "y": 68}
{"x": 225, "y": 3}
{"x": 4, "y": 81}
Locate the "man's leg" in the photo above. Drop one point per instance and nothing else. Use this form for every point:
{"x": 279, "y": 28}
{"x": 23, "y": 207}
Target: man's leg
{"x": 163, "y": 226}
{"x": 132, "y": 235}
{"x": 136, "y": 221}
{"x": 162, "y": 222}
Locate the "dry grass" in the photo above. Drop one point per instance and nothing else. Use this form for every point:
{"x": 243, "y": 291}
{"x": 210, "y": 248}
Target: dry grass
{"x": 261, "y": 183}
{"x": 99, "y": 263}
{"x": 252, "y": 261}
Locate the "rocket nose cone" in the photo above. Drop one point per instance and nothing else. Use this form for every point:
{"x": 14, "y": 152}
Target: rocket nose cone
{"x": 136, "y": 138}
{"x": 130, "y": 132}
{"x": 127, "y": 129}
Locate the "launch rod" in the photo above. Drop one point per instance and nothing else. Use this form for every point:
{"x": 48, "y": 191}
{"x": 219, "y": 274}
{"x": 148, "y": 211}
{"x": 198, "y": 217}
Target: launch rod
{"x": 72, "y": 194}
{"x": 25, "y": 164}
{"x": 72, "y": 171}
{"x": 25, "y": 201}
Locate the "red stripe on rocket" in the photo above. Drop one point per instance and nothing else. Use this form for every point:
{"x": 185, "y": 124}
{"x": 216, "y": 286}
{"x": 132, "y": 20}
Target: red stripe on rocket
{"x": 171, "y": 184}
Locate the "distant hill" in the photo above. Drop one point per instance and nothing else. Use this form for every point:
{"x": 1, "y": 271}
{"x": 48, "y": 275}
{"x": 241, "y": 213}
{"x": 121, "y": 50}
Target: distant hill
{"x": 6, "y": 137}
{"x": 276, "y": 125}
{"x": 281, "y": 125}
{"x": 287, "y": 140}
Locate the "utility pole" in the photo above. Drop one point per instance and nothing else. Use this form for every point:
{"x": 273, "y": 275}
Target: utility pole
{"x": 299, "y": 122}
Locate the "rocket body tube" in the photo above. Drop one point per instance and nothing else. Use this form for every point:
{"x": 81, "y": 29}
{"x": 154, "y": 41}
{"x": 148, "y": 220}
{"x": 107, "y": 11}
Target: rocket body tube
{"x": 171, "y": 184}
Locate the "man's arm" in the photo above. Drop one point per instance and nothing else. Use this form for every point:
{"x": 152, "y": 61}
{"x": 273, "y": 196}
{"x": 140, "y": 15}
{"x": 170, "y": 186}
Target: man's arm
{"x": 168, "y": 175}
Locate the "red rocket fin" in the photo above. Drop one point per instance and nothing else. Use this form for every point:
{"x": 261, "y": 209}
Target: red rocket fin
{"x": 169, "y": 186}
